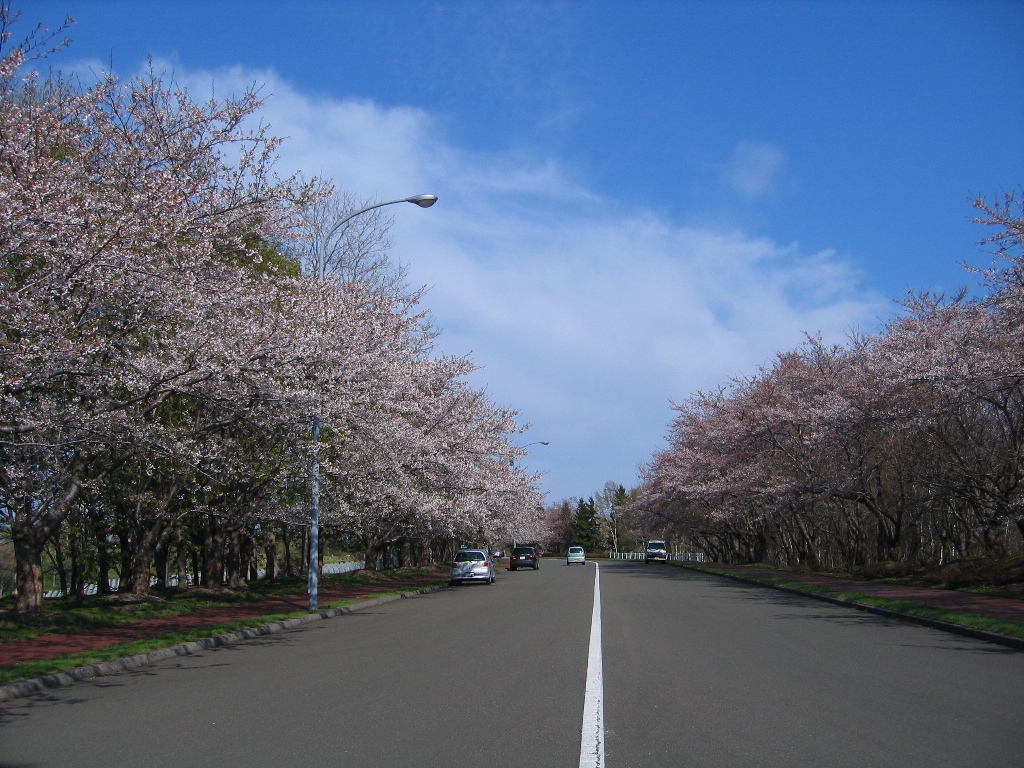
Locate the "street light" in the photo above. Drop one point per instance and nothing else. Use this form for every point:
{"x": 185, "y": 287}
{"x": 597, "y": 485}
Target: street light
{"x": 511, "y": 462}
{"x": 423, "y": 201}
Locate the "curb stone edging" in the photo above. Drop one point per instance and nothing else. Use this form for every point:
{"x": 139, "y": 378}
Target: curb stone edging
{"x": 947, "y": 626}
{"x": 68, "y": 677}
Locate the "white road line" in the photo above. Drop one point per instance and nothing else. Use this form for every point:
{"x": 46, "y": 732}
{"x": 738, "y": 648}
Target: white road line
{"x": 592, "y": 743}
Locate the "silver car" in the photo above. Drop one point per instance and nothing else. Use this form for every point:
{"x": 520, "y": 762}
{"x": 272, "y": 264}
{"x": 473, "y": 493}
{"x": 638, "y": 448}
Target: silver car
{"x": 472, "y": 565}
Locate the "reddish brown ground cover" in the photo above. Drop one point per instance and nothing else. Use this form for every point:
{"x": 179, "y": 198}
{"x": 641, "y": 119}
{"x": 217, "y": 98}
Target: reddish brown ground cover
{"x": 52, "y": 646}
{"x": 995, "y": 607}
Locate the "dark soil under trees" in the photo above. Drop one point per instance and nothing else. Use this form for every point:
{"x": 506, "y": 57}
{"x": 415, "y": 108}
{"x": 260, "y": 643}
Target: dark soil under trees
{"x": 75, "y": 625}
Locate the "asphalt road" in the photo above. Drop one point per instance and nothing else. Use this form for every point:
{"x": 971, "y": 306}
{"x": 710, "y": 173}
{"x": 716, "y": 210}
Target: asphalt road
{"x": 697, "y": 671}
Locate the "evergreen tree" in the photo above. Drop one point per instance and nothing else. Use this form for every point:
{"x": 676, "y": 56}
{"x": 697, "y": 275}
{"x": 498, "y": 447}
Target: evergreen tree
{"x": 586, "y": 529}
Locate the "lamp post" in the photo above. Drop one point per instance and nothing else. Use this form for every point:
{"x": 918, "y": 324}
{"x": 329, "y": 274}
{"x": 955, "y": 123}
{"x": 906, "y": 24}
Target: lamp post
{"x": 423, "y": 201}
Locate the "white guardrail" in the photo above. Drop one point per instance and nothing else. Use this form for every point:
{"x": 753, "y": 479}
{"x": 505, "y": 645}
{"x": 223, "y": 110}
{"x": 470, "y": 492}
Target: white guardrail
{"x": 172, "y": 581}
{"x": 692, "y": 557}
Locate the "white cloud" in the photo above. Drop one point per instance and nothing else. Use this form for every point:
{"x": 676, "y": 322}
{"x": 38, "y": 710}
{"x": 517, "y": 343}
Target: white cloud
{"x": 754, "y": 168}
{"x": 587, "y": 317}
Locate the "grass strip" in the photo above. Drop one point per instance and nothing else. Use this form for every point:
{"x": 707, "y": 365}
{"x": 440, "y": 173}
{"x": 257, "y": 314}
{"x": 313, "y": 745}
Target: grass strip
{"x": 68, "y": 617}
{"x": 31, "y": 669}
{"x": 963, "y": 618}
{"x": 84, "y": 658}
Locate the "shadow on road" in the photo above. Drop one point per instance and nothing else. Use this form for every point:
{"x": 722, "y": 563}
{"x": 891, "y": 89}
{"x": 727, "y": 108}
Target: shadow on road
{"x": 835, "y": 614}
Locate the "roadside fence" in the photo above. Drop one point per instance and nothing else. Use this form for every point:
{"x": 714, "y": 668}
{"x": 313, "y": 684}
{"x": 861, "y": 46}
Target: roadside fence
{"x": 692, "y": 557}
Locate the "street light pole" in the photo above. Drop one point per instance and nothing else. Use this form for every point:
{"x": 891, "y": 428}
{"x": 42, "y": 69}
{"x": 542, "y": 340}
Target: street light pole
{"x": 536, "y": 442}
{"x": 314, "y": 525}
{"x": 423, "y": 201}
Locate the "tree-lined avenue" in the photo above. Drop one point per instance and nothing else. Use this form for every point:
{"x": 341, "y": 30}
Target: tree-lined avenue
{"x": 696, "y": 670}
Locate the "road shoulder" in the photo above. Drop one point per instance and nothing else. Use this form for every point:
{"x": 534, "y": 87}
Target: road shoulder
{"x": 784, "y": 582}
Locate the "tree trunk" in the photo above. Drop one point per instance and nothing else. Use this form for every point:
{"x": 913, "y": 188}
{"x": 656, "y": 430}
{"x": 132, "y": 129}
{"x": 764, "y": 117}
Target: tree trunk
{"x": 125, "y": 570}
{"x": 372, "y": 552}
{"x": 213, "y": 554}
{"x": 252, "y": 556}
{"x": 163, "y": 560}
{"x": 29, "y": 559}
{"x": 30, "y": 532}
{"x": 992, "y": 537}
{"x": 181, "y": 558}
{"x": 234, "y": 557}
{"x": 885, "y": 541}
{"x": 807, "y": 553}
{"x": 305, "y": 552}
{"x": 270, "y": 550}
{"x": 151, "y": 541}
{"x": 406, "y": 554}
{"x": 58, "y": 563}
{"x": 142, "y": 562}
{"x": 77, "y": 582}
{"x": 102, "y": 554}
{"x": 286, "y": 539}
{"x": 244, "y": 558}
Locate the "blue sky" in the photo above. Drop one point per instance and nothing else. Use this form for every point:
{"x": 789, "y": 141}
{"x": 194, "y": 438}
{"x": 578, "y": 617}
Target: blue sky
{"x": 637, "y": 199}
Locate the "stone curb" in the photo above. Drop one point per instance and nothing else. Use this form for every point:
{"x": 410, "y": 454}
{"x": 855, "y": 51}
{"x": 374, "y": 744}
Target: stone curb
{"x": 67, "y": 677}
{"x": 978, "y": 634}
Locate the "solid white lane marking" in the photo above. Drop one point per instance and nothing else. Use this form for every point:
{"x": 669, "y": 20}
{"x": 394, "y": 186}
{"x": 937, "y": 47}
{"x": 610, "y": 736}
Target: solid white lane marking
{"x": 592, "y": 743}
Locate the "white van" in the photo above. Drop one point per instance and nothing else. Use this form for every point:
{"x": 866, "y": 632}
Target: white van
{"x": 656, "y": 550}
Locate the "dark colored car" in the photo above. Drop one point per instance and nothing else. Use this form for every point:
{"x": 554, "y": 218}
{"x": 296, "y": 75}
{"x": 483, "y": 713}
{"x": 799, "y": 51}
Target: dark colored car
{"x": 523, "y": 557}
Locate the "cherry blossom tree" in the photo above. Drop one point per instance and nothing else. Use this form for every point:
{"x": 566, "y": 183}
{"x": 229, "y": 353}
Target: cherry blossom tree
{"x": 165, "y": 345}
{"x": 905, "y": 445}
{"x": 126, "y": 248}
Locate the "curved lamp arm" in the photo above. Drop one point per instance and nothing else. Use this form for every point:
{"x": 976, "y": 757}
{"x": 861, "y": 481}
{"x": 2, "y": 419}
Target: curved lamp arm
{"x": 423, "y": 201}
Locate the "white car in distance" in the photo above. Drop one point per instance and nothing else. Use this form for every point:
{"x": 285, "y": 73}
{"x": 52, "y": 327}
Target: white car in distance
{"x": 576, "y": 555}
{"x": 656, "y": 550}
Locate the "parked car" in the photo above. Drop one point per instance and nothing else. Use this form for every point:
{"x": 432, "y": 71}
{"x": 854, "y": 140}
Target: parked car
{"x": 523, "y": 557}
{"x": 472, "y": 565}
{"x": 576, "y": 555}
{"x": 656, "y": 550}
